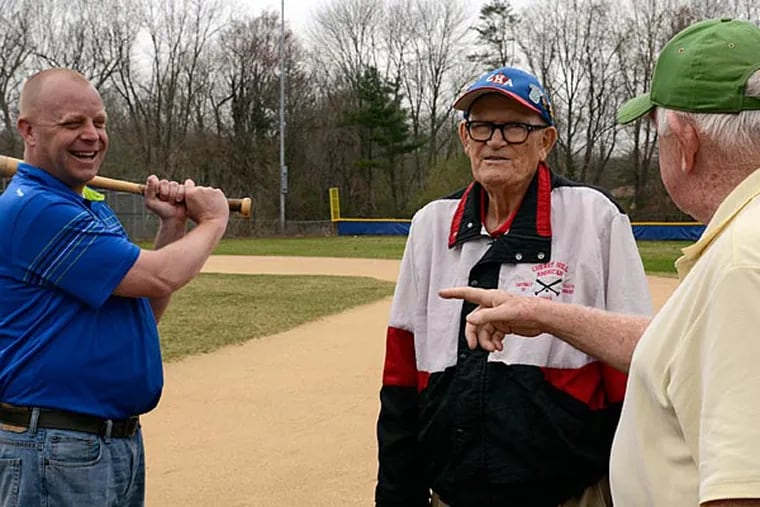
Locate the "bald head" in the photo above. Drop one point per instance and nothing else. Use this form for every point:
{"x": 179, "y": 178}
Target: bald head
{"x": 63, "y": 123}
{"x": 44, "y": 83}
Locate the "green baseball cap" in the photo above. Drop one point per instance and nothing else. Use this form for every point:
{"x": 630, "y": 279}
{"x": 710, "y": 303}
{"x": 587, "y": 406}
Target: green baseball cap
{"x": 703, "y": 69}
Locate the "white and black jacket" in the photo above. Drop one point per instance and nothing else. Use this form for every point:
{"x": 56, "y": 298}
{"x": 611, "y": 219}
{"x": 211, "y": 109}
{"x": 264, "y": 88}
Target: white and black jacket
{"x": 531, "y": 425}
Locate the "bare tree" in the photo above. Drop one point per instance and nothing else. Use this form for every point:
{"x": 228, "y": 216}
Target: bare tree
{"x": 92, "y": 38}
{"x": 443, "y": 33}
{"x": 567, "y": 77}
{"x": 746, "y": 9}
{"x": 565, "y": 59}
{"x": 602, "y": 90}
{"x": 417, "y": 44}
{"x": 402, "y": 30}
{"x": 162, "y": 86}
{"x": 646, "y": 30}
{"x": 540, "y": 48}
{"x": 345, "y": 40}
{"x": 249, "y": 86}
{"x": 15, "y": 51}
{"x": 426, "y": 43}
{"x": 345, "y": 36}
{"x": 705, "y": 9}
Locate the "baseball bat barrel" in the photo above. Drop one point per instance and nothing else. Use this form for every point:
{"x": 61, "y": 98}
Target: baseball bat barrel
{"x": 8, "y": 166}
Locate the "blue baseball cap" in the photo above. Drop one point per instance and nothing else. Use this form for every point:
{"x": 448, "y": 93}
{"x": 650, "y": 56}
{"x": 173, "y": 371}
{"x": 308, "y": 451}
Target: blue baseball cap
{"x": 513, "y": 83}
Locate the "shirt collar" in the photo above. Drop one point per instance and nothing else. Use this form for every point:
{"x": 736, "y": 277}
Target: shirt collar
{"x": 41, "y": 176}
{"x": 44, "y": 178}
{"x": 739, "y": 197}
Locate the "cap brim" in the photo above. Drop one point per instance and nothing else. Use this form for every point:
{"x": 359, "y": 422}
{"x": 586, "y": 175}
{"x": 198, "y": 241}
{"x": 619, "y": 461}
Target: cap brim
{"x": 464, "y": 102}
{"x": 466, "y": 99}
{"x": 634, "y": 109}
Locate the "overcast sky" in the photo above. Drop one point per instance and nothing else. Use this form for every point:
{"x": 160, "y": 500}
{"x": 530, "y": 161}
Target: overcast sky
{"x": 298, "y": 12}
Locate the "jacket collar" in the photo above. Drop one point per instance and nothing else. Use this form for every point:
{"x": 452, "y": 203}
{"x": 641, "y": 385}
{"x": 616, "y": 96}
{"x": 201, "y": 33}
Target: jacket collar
{"x": 529, "y": 236}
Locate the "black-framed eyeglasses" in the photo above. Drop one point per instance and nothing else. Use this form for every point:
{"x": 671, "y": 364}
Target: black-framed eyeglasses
{"x": 513, "y": 132}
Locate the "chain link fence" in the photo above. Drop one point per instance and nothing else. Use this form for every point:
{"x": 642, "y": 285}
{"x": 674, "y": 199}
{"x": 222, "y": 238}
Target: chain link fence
{"x": 142, "y": 225}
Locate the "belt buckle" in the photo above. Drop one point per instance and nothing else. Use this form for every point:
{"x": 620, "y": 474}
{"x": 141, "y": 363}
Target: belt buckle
{"x": 126, "y": 427}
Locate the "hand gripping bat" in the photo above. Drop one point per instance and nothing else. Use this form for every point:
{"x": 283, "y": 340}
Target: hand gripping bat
{"x": 8, "y": 167}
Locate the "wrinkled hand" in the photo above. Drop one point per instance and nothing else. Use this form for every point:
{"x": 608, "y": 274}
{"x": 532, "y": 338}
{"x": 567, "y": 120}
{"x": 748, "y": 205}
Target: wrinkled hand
{"x": 205, "y": 203}
{"x": 165, "y": 198}
{"x": 497, "y": 315}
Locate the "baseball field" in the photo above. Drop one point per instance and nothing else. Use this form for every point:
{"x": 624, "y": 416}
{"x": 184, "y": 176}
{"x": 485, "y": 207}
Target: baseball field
{"x": 286, "y": 419}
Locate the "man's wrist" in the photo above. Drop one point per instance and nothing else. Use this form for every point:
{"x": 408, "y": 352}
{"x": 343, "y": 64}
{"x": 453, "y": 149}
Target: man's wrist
{"x": 175, "y": 227}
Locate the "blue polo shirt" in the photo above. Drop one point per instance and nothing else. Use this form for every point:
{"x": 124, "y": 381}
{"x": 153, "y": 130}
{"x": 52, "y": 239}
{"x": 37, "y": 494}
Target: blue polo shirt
{"x": 66, "y": 341}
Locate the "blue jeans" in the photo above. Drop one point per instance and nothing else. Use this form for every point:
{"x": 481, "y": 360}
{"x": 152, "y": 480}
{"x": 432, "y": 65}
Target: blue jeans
{"x": 44, "y": 467}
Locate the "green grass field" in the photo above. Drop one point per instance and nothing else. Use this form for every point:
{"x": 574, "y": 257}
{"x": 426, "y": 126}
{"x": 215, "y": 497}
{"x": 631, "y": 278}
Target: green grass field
{"x": 658, "y": 256}
{"x": 366, "y": 247}
{"x": 216, "y": 310}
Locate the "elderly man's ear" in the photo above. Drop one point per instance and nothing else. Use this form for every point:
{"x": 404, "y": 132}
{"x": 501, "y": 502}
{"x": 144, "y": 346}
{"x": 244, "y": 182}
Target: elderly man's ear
{"x": 548, "y": 140}
{"x": 686, "y": 139}
{"x": 463, "y": 137}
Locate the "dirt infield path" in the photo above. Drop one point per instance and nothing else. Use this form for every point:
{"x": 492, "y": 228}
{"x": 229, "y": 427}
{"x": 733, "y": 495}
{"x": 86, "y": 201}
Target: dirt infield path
{"x": 282, "y": 421}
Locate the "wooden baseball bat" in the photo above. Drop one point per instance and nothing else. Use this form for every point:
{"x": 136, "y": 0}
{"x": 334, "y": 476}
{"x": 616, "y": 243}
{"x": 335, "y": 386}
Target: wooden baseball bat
{"x": 8, "y": 167}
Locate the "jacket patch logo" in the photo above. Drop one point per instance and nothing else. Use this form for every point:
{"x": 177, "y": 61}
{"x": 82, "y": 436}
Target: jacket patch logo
{"x": 550, "y": 282}
{"x": 535, "y": 93}
{"x": 547, "y": 287}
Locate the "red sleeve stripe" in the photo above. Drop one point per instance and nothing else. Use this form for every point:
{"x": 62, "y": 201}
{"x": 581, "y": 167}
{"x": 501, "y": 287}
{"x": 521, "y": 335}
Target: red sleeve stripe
{"x": 544, "y": 202}
{"x": 614, "y": 383}
{"x": 596, "y": 384}
{"x": 423, "y": 377}
{"x": 400, "y": 361}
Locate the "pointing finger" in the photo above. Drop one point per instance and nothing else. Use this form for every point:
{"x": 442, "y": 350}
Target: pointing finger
{"x": 482, "y": 297}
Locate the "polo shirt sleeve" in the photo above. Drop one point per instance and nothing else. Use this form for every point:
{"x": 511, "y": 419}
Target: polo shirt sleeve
{"x": 63, "y": 245}
{"x": 714, "y": 388}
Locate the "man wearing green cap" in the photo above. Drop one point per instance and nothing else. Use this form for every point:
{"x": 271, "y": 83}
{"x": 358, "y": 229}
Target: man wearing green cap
{"x": 688, "y": 430}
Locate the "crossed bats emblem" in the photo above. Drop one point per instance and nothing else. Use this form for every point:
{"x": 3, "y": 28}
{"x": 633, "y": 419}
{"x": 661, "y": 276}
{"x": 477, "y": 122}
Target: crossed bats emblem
{"x": 547, "y": 287}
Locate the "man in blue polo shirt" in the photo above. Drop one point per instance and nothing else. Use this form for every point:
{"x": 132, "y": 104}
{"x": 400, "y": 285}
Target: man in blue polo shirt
{"x": 79, "y": 351}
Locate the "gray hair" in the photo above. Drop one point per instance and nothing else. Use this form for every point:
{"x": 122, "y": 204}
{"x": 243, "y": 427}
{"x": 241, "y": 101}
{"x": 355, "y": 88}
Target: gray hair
{"x": 733, "y": 132}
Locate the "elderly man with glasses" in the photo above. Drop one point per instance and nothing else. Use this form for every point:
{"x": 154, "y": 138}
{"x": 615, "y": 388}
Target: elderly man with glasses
{"x": 688, "y": 429}
{"x": 530, "y": 424}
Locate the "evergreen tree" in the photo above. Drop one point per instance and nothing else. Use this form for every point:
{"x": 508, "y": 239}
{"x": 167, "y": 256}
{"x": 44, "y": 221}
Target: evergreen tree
{"x": 383, "y": 131}
{"x": 496, "y": 28}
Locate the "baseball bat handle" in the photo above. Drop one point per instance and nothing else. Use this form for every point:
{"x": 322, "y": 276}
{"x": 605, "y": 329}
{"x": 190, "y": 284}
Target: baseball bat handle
{"x": 8, "y": 166}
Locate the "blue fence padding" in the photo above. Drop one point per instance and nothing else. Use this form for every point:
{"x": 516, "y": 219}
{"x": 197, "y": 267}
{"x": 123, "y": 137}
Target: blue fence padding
{"x": 685, "y": 231}
{"x": 373, "y": 227}
{"x": 663, "y": 231}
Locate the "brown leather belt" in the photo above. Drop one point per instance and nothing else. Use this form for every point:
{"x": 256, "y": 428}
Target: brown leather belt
{"x": 63, "y": 420}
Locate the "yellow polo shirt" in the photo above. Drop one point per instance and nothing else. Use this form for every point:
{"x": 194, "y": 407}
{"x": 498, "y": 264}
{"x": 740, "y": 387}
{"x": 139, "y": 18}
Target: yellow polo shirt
{"x": 690, "y": 427}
